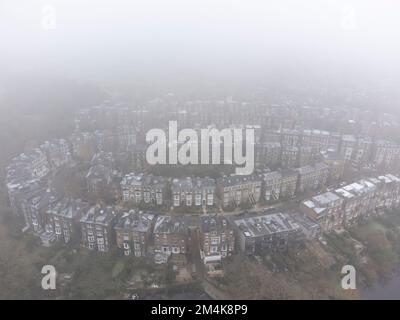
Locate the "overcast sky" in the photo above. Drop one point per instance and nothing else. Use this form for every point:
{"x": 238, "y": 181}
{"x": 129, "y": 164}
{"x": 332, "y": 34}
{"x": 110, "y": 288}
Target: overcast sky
{"x": 97, "y": 39}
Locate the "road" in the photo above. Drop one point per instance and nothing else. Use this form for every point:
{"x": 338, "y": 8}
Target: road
{"x": 195, "y": 251}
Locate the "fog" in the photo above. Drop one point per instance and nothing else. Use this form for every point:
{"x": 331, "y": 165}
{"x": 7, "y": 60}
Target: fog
{"x": 215, "y": 43}
{"x": 304, "y": 95}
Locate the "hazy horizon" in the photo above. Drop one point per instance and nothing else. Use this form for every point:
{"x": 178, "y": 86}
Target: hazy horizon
{"x": 158, "y": 42}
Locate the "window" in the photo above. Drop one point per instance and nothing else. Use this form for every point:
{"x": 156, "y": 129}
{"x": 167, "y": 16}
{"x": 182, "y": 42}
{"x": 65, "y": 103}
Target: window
{"x": 198, "y": 200}
{"x": 175, "y": 249}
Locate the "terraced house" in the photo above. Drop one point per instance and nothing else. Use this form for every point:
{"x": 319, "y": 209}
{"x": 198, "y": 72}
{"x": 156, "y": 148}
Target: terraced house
{"x": 19, "y": 191}
{"x": 326, "y": 210}
{"x": 290, "y": 156}
{"x": 336, "y": 165}
{"x": 359, "y": 201}
{"x": 217, "y": 239}
{"x": 267, "y": 154}
{"x": 271, "y": 185}
{"x": 97, "y": 228}
{"x": 170, "y": 237}
{"x": 348, "y": 146}
{"x": 155, "y": 190}
{"x": 57, "y": 152}
{"x": 386, "y": 155}
{"x": 193, "y": 192}
{"x": 133, "y": 232}
{"x": 312, "y": 177}
{"x": 132, "y": 187}
{"x": 35, "y": 210}
{"x": 361, "y": 156}
{"x": 390, "y": 191}
{"x": 317, "y": 139}
{"x": 142, "y": 188}
{"x": 237, "y": 190}
{"x": 288, "y": 183}
{"x": 33, "y": 162}
{"x": 64, "y": 218}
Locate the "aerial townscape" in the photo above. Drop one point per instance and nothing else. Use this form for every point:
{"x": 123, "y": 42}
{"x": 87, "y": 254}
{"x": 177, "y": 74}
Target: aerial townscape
{"x": 318, "y": 171}
{"x": 200, "y": 157}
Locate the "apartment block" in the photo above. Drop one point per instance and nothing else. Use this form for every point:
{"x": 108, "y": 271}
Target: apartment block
{"x": 262, "y": 233}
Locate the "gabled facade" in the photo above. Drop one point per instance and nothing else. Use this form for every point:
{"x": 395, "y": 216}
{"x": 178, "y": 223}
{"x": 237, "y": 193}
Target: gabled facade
{"x": 97, "y": 228}
{"x": 237, "y": 190}
{"x": 217, "y": 239}
{"x": 133, "y": 232}
{"x": 170, "y": 237}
